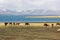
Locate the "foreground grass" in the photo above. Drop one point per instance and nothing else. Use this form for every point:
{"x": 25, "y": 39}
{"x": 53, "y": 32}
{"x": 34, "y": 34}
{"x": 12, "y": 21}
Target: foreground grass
{"x": 29, "y": 33}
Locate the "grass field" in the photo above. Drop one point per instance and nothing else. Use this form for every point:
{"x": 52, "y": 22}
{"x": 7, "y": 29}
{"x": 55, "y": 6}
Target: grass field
{"x": 29, "y": 33}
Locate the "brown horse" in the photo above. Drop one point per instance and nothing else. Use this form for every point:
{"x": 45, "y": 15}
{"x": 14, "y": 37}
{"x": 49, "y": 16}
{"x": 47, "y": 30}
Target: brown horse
{"x": 14, "y": 23}
{"x": 17, "y": 23}
{"x": 57, "y": 24}
{"x": 10, "y": 23}
{"x": 52, "y": 25}
{"x": 46, "y": 25}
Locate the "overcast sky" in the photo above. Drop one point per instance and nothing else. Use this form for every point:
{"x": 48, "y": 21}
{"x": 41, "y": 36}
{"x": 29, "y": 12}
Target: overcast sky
{"x": 30, "y": 4}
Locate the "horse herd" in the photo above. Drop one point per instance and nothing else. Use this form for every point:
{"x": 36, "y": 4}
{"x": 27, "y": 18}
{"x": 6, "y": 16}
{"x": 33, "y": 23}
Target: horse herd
{"x": 6, "y": 23}
{"x": 13, "y": 23}
{"x": 57, "y": 24}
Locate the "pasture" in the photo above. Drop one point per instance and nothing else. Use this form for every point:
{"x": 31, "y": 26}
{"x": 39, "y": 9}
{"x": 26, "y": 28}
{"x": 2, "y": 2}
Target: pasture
{"x": 29, "y": 33}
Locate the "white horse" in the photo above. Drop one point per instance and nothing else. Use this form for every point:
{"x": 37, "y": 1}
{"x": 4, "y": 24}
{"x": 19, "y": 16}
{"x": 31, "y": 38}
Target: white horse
{"x": 58, "y": 30}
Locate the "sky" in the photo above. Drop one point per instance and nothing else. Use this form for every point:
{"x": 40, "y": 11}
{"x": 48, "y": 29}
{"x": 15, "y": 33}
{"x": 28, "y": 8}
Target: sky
{"x": 19, "y": 5}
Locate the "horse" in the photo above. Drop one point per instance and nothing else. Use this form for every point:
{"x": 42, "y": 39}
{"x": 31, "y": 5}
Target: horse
{"x": 27, "y": 24}
{"x": 17, "y": 23}
{"x": 52, "y": 25}
{"x": 5, "y": 23}
{"x": 46, "y": 25}
{"x": 13, "y": 23}
{"x": 57, "y": 24}
{"x": 10, "y": 23}
{"x": 58, "y": 30}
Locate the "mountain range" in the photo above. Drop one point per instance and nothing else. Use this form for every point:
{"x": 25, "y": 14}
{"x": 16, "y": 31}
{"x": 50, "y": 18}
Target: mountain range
{"x": 29, "y": 12}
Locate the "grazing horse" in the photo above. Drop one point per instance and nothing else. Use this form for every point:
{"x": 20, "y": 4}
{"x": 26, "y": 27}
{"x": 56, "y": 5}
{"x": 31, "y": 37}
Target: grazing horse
{"x": 52, "y": 25}
{"x": 27, "y": 24}
{"x": 57, "y": 24}
{"x": 10, "y": 23}
{"x": 5, "y": 23}
{"x": 58, "y": 30}
{"x": 13, "y": 23}
{"x": 46, "y": 25}
{"x": 17, "y": 23}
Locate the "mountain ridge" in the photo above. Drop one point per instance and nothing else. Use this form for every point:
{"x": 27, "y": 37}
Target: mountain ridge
{"x": 30, "y": 12}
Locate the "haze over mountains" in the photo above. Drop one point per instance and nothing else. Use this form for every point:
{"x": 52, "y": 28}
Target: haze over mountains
{"x": 29, "y": 12}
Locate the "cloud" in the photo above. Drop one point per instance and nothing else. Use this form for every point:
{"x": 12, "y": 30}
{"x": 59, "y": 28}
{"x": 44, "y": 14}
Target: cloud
{"x": 30, "y": 4}
{"x": 1, "y": 1}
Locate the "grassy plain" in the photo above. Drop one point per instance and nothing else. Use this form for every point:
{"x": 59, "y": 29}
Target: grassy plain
{"x": 29, "y": 33}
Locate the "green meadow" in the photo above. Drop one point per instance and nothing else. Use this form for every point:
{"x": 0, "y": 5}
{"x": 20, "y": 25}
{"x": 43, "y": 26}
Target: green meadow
{"x": 29, "y": 33}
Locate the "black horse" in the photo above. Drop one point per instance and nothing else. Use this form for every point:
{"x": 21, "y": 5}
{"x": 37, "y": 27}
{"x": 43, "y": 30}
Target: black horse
{"x": 27, "y": 24}
{"x": 5, "y": 23}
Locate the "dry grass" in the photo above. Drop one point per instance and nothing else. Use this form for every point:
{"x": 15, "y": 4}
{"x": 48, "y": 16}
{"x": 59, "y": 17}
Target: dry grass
{"x": 29, "y": 33}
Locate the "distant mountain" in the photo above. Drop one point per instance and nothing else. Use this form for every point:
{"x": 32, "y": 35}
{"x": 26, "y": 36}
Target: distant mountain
{"x": 40, "y": 12}
{"x": 30, "y": 12}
